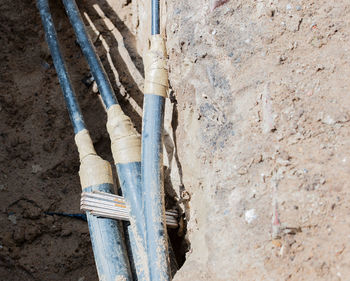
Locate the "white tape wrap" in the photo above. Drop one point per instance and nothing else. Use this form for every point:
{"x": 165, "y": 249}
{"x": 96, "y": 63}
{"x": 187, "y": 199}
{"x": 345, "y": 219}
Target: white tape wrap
{"x": 156, "y": 73}
{"x": 93, "y": 169}
{"x": 84, "y": 144}
{"x": 125, "y": 141}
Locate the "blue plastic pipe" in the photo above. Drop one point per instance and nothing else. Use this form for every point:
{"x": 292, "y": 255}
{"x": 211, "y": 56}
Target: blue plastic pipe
{"x": 89, "y": 52}
{"x": 155, "y": 17}
{"x": 153, "y": 185}
{"x": 106, "y": 234}
{"x": 108, "y": 244}
{"x": 152, "y": 175}
{"x": 129, "y": 174}
{"x": 66, "y": 86}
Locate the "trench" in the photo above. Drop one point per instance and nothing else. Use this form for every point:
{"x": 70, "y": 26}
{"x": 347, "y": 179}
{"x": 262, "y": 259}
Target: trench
{"x": 39, "y": 162}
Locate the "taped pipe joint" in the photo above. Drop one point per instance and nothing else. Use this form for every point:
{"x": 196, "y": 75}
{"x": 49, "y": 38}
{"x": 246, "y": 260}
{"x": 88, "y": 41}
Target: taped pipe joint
{"x": 125, "y": 140}
{"x": 84, "y": 144}
{"x": 93, "y": 169}
{"x": 156, "y": 73}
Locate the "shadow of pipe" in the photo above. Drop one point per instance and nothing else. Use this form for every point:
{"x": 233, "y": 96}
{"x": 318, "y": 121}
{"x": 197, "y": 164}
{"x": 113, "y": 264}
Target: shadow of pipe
{"x": 127, "y": 90}
{"x": 130, "y": 41}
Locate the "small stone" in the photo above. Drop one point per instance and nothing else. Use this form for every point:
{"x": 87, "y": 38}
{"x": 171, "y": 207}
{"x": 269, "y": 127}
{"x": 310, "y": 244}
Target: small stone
{"x": 250, "y": 216}
{"x": 288, "y": 7}
{"x": 242, "y": 171}
{"x": 32, "y": 212}
{"x": 12, "y": 218}
{"x": 94, "y": 87}
{"x": 298, "y": 8}
{"x": 36, "y": 169}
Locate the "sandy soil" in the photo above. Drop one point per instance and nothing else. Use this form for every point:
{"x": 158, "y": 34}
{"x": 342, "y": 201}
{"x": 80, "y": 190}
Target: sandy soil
{"x": 257, "y": 129}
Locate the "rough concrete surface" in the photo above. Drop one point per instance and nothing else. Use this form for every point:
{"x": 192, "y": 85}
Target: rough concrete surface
{"x": 256, "y": 135}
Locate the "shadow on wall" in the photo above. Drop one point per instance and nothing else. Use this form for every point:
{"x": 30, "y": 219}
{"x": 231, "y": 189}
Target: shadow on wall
{"x": 117, "y": 57}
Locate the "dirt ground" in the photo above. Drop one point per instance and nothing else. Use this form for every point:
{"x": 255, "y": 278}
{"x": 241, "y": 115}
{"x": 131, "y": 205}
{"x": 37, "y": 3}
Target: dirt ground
{"x": 39, "y": 161}
{"x": 256, "y": 133}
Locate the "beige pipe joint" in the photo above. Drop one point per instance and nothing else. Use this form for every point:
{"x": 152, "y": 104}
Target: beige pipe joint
{"x": 93, "y": 169}
{"x": 125, "y": 140}
{"x": 156, "y": 73}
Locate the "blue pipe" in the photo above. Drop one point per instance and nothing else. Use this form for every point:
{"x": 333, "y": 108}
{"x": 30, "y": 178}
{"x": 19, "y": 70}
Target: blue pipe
{"x": 129, "y": 174}
{"x": 89, "y": 52}
{"x": 106, "y": 234}
{"x": 130, "y": 181}
{"x": 66, "y": 85}
{"x": 155, "y": 28}
{"x": 108, "y": 243}
{"x": 152, "y": 174}
{"x": 153, "y": 185}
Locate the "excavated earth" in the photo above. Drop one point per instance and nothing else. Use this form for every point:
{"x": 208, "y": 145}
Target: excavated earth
{"x": 256, "y": 135}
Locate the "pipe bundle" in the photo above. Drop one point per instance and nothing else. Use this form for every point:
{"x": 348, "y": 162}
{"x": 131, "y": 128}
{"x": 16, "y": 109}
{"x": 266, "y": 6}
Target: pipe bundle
{"x": 140, "y": 173}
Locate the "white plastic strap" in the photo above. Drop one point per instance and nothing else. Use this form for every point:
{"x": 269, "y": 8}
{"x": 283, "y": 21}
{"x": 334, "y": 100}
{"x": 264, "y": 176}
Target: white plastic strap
{"x": 112, "y": 206}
